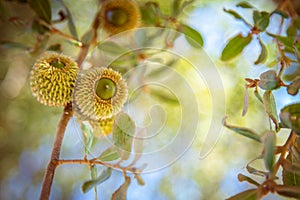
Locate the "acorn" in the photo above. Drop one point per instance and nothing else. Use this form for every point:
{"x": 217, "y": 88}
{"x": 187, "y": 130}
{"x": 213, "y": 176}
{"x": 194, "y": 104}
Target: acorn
{"x": 117, "y": 16}
{"x": 52, "y": 79}
{"x": 100, "y": 93}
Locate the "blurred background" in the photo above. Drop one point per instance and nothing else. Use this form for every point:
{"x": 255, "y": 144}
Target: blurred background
{"x": 27, "y": 128}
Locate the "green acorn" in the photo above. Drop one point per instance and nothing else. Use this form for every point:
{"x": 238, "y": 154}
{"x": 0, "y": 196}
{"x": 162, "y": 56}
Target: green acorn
{"x": 117, "y": 16}
{"x": 100, "y": 93}
{"x": 52, "y": 79}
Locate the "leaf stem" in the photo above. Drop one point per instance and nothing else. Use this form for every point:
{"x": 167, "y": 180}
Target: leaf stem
{"x": 50, "y": 171}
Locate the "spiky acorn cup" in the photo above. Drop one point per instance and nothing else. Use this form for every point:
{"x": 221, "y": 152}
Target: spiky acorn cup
{"x": 52, "y": 79}
{"x": 117, "y": 16}
{"x": 100, "y": 93}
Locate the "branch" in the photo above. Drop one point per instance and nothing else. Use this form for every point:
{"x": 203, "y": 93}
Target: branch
{"x": 95, "y": 162}
{"x": 67, "y": 114}
{"x": 54, "y": 30}
{"x": 49, "y": 175}
{"x": 284, "y": 150}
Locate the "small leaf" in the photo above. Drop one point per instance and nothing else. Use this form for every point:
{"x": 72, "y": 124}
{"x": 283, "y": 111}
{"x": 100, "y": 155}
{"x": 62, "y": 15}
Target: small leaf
{"x": 94, "y": 172}
{"x": 87, "y": 37}
{"x": 246, "y": 102}
{"x": 281, "y": 13}
{"x": 123, "y": 133}
{"x": 270, "y": 107}
{"x": 94, "y": 175}
{"x": 263, "y": 53}
{"x": 105, "y": 174}
{"x": 269, "y": 80}
{"x": 269, "y": 141}
{"x": 88, "y": 137}
{"x": 291, "y": 31}
{"x": 139, "y": 179}
{"x": 258, "y": 96}
{"x": 236, "y": 16}
{"x": 71, "y": 25}
{"x": 42, "y": 9}
{"x": 288, "y": 42}
{"x": 112, "y": 48}
{"x": 290, "y": 117}
{"x": 288, "y": 191}
{"x": 121, "y": 193}
{"x": 243, "y": 131}
{"x": 293, "y": 87}
{"x": 244, "y": 4}
{"x": 242, "y": 177}
{"x": 193, "y": 37}
{"x": 109, "y": 154}
{"x": 261, "y": 19}
{"x": 246, "y": 195}
{"x": 235, "y": 46}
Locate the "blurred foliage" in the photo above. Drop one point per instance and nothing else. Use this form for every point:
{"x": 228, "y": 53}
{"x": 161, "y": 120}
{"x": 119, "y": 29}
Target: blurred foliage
{"x": 269, "y": 81}
{"x": 29, "y": 28}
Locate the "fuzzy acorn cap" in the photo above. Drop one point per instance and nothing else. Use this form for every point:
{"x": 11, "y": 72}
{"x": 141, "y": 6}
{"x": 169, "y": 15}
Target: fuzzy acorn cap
{"x": 52, "y": 79}
{"x": 100, "y": 93}
{"x": 117, "y": 16}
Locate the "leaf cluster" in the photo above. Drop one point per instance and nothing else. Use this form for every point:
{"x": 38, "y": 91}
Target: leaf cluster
{"x": 289, "y": 117}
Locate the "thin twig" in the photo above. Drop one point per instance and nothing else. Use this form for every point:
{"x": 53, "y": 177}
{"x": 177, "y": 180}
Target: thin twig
{"x": 284, "y": 150}
{"x": 49, "y": 175}
{"x": 54, "y": 30}
{"x": 98, "y": 162}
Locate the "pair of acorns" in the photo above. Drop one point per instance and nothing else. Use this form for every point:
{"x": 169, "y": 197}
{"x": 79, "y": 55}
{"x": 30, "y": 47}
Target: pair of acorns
{"x": 97, "y": 94}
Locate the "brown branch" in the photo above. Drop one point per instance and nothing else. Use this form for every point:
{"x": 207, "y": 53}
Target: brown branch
{"x": 57, "y": 31}
{"x": 54, "y": 30}
{"x": 284, "y": 150}
{"x": 50, "y": 171}
{"x": 67, "y": 114}
{"x": 98, "y": 162}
